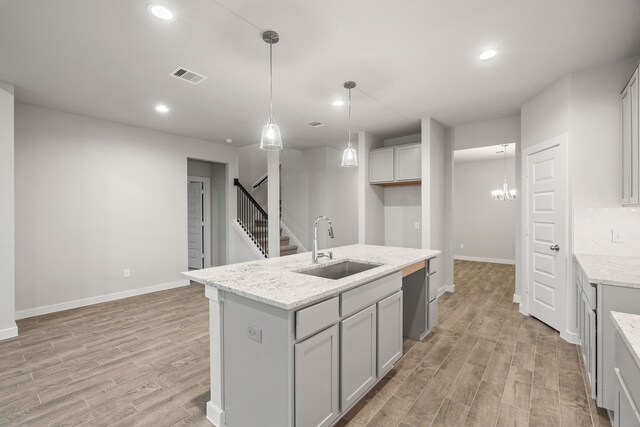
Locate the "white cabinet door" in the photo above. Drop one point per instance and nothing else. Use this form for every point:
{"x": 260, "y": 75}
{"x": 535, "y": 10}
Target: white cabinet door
{"x": 381, "y": 165}
{"x": 357, "y": 356}
{"x": 316, "y": 379}
{"x": 625, "y": 412}
{"x": 630, "y": 141}
{"x": 389, "y": 332}
{"x": 408, "y": 162}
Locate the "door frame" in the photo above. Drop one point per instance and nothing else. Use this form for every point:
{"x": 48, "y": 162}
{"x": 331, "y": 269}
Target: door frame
{"x": 207, "y": 217}
{"x": 562, "y": 142}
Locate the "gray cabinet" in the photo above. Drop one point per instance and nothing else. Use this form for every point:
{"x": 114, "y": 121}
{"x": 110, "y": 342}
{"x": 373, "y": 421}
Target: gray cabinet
{"x": 627, "y": 385}
{"x": 407, "y": 162}
{"x": 357, "y": 355}
{"x": 625, "y": 412}
{"x": 389, "y": 332}
{"x": 316, "y": 379}
{"x": 396, "y": 165}
{"x": 631, "y": 141}
{"x": 586, "y": 326}
{"x": 381, "y": 165}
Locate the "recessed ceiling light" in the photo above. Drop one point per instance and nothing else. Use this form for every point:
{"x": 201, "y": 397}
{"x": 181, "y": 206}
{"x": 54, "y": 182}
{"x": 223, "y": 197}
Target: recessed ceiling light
{"x": 160, "y": 11}
{"x": 161, "y": 108}
{"x": 488, "y": 54}
{"x": 338, "y": 103}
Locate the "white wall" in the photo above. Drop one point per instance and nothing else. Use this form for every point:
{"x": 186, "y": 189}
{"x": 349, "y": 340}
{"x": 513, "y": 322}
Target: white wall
{"x": 7, "y": 217}
{"x": 586, "y": 106}
{"x": 483, "y": 134}
{"x": 436, "y": 202}
{"x": 95, "y": 197}
{"x": 370, "y": 197}
{"x": 595, "y": 147}
{"x": 486, "y": 227}
{"x": 402, "y": 209}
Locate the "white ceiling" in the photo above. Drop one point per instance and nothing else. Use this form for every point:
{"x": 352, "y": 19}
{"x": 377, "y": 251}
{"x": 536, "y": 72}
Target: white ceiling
{"x": 111, "y": 59}
{"x": 491, "y": 152}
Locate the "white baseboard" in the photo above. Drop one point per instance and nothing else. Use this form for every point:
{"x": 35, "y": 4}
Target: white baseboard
{"x": 517, "y": 299}
{"x": 446, "y": 288}
{"x": 9, "y": 332}
{"x": 46, "y": 309}
{"x": 570, "y": 337}
{"x": 480, "y": 259}
{"x": 215, "y": 414}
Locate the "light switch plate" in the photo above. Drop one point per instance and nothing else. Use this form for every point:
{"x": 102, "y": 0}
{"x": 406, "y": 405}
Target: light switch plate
{"x": 461, "y": 245}
{"x": 126, "y": 273}
{"x": 617, "y": 236}
{"x": 417, "y": 225}
{"x": 255, "y": 333}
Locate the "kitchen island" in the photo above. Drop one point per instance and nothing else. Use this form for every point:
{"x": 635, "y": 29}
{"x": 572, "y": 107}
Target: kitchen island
{"x": 293, "y": 344}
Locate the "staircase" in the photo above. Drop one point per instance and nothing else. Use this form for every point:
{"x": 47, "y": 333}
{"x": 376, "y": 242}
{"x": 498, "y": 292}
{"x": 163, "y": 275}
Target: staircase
{"x": 285, "y": 247}
{"x": 254, "y": 221}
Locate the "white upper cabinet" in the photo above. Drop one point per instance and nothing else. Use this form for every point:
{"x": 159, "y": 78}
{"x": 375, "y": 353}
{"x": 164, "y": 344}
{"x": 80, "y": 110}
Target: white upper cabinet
{"x": 408, "y": 162}
{"x": 630, "y": 141}
{"x": 401, "y": 163}
{"x": 381, "y": 165}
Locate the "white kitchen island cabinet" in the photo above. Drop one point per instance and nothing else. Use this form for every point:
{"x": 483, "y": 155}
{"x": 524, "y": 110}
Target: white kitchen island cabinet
{"x": 291, "y": 349}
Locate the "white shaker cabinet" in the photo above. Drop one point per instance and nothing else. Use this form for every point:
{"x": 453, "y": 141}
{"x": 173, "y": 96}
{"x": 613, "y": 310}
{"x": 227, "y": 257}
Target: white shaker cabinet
{"x": 357, "y": 355}
{"x": 381, "y": 165}
{"x": 630, "y": 141}
{"x": 389, "y": 332}
{"x": 316, "y": 379}
{"x": 407, "y": 162}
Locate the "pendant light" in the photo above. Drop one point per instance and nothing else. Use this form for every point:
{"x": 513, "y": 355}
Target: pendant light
{"x": 271, "y": 139}
{"x": 349, "y": 156}
{"x": 505, "y": 193}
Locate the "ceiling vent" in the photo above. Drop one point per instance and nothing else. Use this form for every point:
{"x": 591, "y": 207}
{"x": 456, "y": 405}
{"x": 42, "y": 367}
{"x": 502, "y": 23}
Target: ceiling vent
{"x": 315, "y": 124}
{"x": 187, "y": 75}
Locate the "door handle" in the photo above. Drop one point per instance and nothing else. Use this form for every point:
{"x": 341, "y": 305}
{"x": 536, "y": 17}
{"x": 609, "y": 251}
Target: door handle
{"x": 554, "y": 248}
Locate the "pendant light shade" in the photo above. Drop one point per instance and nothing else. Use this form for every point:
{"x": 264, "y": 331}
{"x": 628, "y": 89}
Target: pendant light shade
{"x": 349, "y": 156}
{"x": 270, "y": 139}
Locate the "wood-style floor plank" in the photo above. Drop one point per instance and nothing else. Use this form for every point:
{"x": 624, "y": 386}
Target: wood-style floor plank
{"x": 145, "y": 361}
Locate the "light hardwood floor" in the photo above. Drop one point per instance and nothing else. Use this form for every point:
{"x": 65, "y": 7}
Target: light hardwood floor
{"x": 145, "y": 361}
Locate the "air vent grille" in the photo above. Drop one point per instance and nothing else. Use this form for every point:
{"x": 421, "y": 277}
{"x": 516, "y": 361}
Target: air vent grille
{"x": 187, "y": 75}
{"x": 315, "y": 124}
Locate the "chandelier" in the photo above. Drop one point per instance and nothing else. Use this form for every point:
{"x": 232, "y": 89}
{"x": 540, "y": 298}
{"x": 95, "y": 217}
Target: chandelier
{"x": 505, "y": 193}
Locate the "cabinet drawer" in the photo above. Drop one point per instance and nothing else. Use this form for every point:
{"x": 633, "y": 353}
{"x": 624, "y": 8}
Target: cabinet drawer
{"x": 365, "y": 295}
{"x": 628, "y": 369}
{"x": 316, "y": 317}
{"x": 626, "y": 412}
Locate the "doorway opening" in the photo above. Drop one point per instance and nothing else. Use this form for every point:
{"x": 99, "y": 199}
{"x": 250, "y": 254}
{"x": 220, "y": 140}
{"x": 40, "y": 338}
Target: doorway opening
{"x": 484, "y": 226}
{"x": 206, "y": 214}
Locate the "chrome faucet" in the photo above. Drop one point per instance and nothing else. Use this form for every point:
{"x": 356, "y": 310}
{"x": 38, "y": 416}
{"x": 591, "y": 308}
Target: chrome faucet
{"x": 317, "y": 255}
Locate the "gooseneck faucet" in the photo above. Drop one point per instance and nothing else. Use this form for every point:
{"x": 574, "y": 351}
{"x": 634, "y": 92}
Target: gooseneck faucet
{"x": 315, "y": 254}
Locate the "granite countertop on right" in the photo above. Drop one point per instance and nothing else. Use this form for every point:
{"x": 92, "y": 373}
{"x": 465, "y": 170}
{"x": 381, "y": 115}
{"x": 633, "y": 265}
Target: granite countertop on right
{"x": 611, "y": 270}
{"x": 629, "y": 327}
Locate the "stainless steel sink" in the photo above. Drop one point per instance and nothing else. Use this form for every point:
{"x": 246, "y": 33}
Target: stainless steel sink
{"x": 338, "y": 270}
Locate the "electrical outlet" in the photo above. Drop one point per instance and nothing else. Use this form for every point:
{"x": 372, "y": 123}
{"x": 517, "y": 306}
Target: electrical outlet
{"x": 617, "y": 236}
{"x": 127, "y": 272}
{"x": 255, "y": 333}
{"x": 461, "y": 245}
{"x": 417, "y": 225}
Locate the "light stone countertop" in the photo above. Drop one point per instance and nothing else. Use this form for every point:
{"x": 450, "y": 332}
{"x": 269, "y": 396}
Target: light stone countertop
{"x": 611, "y": 270}
{"x": 274, "y": 281}
{"x": 629, "y": 327}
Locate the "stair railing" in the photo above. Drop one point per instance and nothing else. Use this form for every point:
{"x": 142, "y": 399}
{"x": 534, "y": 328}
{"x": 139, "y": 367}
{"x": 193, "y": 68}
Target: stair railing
{"x": 252, "y": 218}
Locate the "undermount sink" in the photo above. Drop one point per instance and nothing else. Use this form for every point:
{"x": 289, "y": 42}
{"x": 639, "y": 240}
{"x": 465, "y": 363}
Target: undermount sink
{"x": 338, "y": 270}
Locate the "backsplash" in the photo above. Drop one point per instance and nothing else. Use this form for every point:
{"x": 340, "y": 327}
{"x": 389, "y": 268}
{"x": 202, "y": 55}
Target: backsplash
{"x": 593, "y": 231}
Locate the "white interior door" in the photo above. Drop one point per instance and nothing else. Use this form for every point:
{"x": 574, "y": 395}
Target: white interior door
{"x": 195, "y": 215}
{"x": 546, "y": 227}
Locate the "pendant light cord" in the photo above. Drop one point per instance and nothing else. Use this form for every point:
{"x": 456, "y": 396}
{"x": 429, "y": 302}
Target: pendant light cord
{"x": 271, "y": 80}
{"x": 349, "y": 136}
